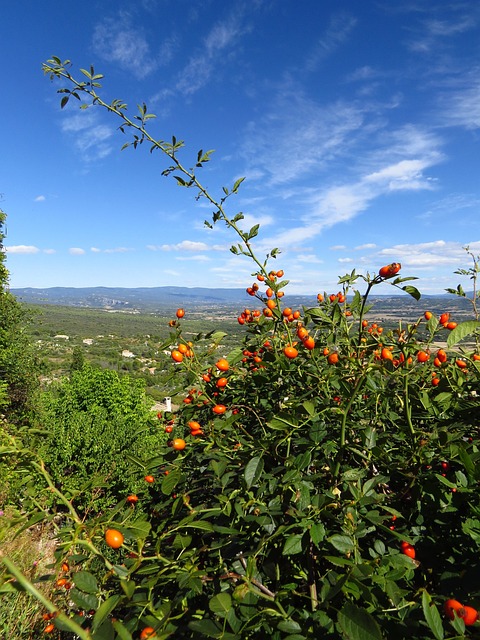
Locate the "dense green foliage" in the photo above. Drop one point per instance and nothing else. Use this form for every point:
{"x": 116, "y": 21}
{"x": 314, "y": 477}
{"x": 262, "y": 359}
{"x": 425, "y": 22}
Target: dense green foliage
{"x": 96, "y": 430}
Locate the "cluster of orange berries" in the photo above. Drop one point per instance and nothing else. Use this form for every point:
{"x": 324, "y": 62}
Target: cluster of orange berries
{"x": 248, "y": 316}
{"x": 190, "y": 398}
{"x": 440, "y": 359}
{"x": 454, "y": 608}
{"x": 195, "y": 428}
{"x": 334, "y": 297}
{"x": 373, "y": 329}
{"x": 48, "y": 617}
{"x": 307, "y": 340}
{"x": 254, "y": 358}
{"x": 64, "y": 582}
{"x": 270, "y": 304}
{"x": 444, "y": 320}
{"x": 183, "y": 349}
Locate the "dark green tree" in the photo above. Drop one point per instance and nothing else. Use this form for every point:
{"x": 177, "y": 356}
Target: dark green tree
{"x": 78, "y": 359}
{"x": 18, "y": 365}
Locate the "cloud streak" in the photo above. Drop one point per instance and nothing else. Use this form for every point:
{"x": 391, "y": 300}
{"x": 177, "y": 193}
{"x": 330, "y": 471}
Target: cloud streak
{"x": 342, "y": 203}
{"x": 90, "y": 136}
{"x": 120, "y": 41}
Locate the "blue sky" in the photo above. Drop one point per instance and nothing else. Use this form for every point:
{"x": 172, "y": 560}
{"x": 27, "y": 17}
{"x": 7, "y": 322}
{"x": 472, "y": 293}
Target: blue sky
{"x": 356, "y": 125}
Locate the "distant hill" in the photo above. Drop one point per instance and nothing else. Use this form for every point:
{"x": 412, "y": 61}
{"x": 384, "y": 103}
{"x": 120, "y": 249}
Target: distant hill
{"x": 141, "y": 298}
{"x": 128, "y": 298}
{"x": 169, "y": 297}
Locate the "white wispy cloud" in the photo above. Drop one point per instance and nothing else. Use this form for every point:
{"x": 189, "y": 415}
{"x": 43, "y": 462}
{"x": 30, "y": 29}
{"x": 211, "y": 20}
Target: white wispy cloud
{"x": 451, "y": 204}
{"x": 112, "y": 250}
{"x": 195, "y": 258}
{"x": 429, "y": 255}
{"x": 76, "y": 251}
{"x": 297, "y": 136}
{"x": 341, "y": 203}
{"x": 208, "y": 58}
{"x": 39, "y": 199}
{"x": 461, "y": 106}
{"x": 185, "y": 245}
{"x": 309, "y": 258}
{"x": 249, "y": 220}
{"x": 363, "y": 247}
{"x": 119, "y": 40}
{"x": 90, "y": 136}
{"x": 363, "y": 73}
{"x": 22, "y": 248}
{"x": 432, "y": 32}
{"x": 336, "y": 33}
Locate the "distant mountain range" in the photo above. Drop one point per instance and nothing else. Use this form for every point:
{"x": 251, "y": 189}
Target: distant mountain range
{"x": 122, "y": 298}
{"x": 156, "y": 298}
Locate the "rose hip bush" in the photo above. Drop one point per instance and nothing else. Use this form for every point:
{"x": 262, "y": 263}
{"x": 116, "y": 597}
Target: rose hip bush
{"x": 320, "y": 479}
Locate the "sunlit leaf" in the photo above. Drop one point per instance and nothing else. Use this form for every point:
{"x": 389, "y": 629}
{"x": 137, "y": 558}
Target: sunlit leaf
{"x": 432, "y": 616}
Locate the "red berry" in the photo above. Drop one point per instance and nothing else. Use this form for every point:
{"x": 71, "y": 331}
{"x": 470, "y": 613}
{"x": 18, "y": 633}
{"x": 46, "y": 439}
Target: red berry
{"x": 408, "y": 550}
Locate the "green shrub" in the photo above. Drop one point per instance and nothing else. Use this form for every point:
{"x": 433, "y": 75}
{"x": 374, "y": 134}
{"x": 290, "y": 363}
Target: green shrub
{"x": 96, "y": 431}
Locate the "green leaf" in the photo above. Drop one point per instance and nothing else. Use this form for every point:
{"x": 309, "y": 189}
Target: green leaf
{"x": 344, "y": 544}
{"x": 309, "y": 407}
{"x": 461, "y": 331}
{"x": 128, "y": 587}
{"x": 122, "y": 631}
{"x": 289, "y": 626}
{"x": 105, "y": 631}
{"x": 293, "y": 545}
{"x": 412, "y": 291}
{"x": 104, "y": 610}
{"x": 253, "y": 231}
{"x": 317, "y": 532}
{"x": 170, "y": 482}
{"x": 86, "y": 582}
{"x": 432, "y": 616}
{"x": 221, "y": 604}
{"x": 445, "y": 481}
{"x": 83, "y": 600}
{"x": 205, "y": 627}
{"x": 253, "y": 471}
{"x": 203, "y": 525}
{"x": 358, "y": 624}
{"x": 471, "y": 527}
{"x": 218, "y": 336}
{"x": 138, "y": 529}
{"x": 237, "y": 184}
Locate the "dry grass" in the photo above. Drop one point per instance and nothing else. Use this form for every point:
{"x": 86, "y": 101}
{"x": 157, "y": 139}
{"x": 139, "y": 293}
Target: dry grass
{"x": 32, "y": 551}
